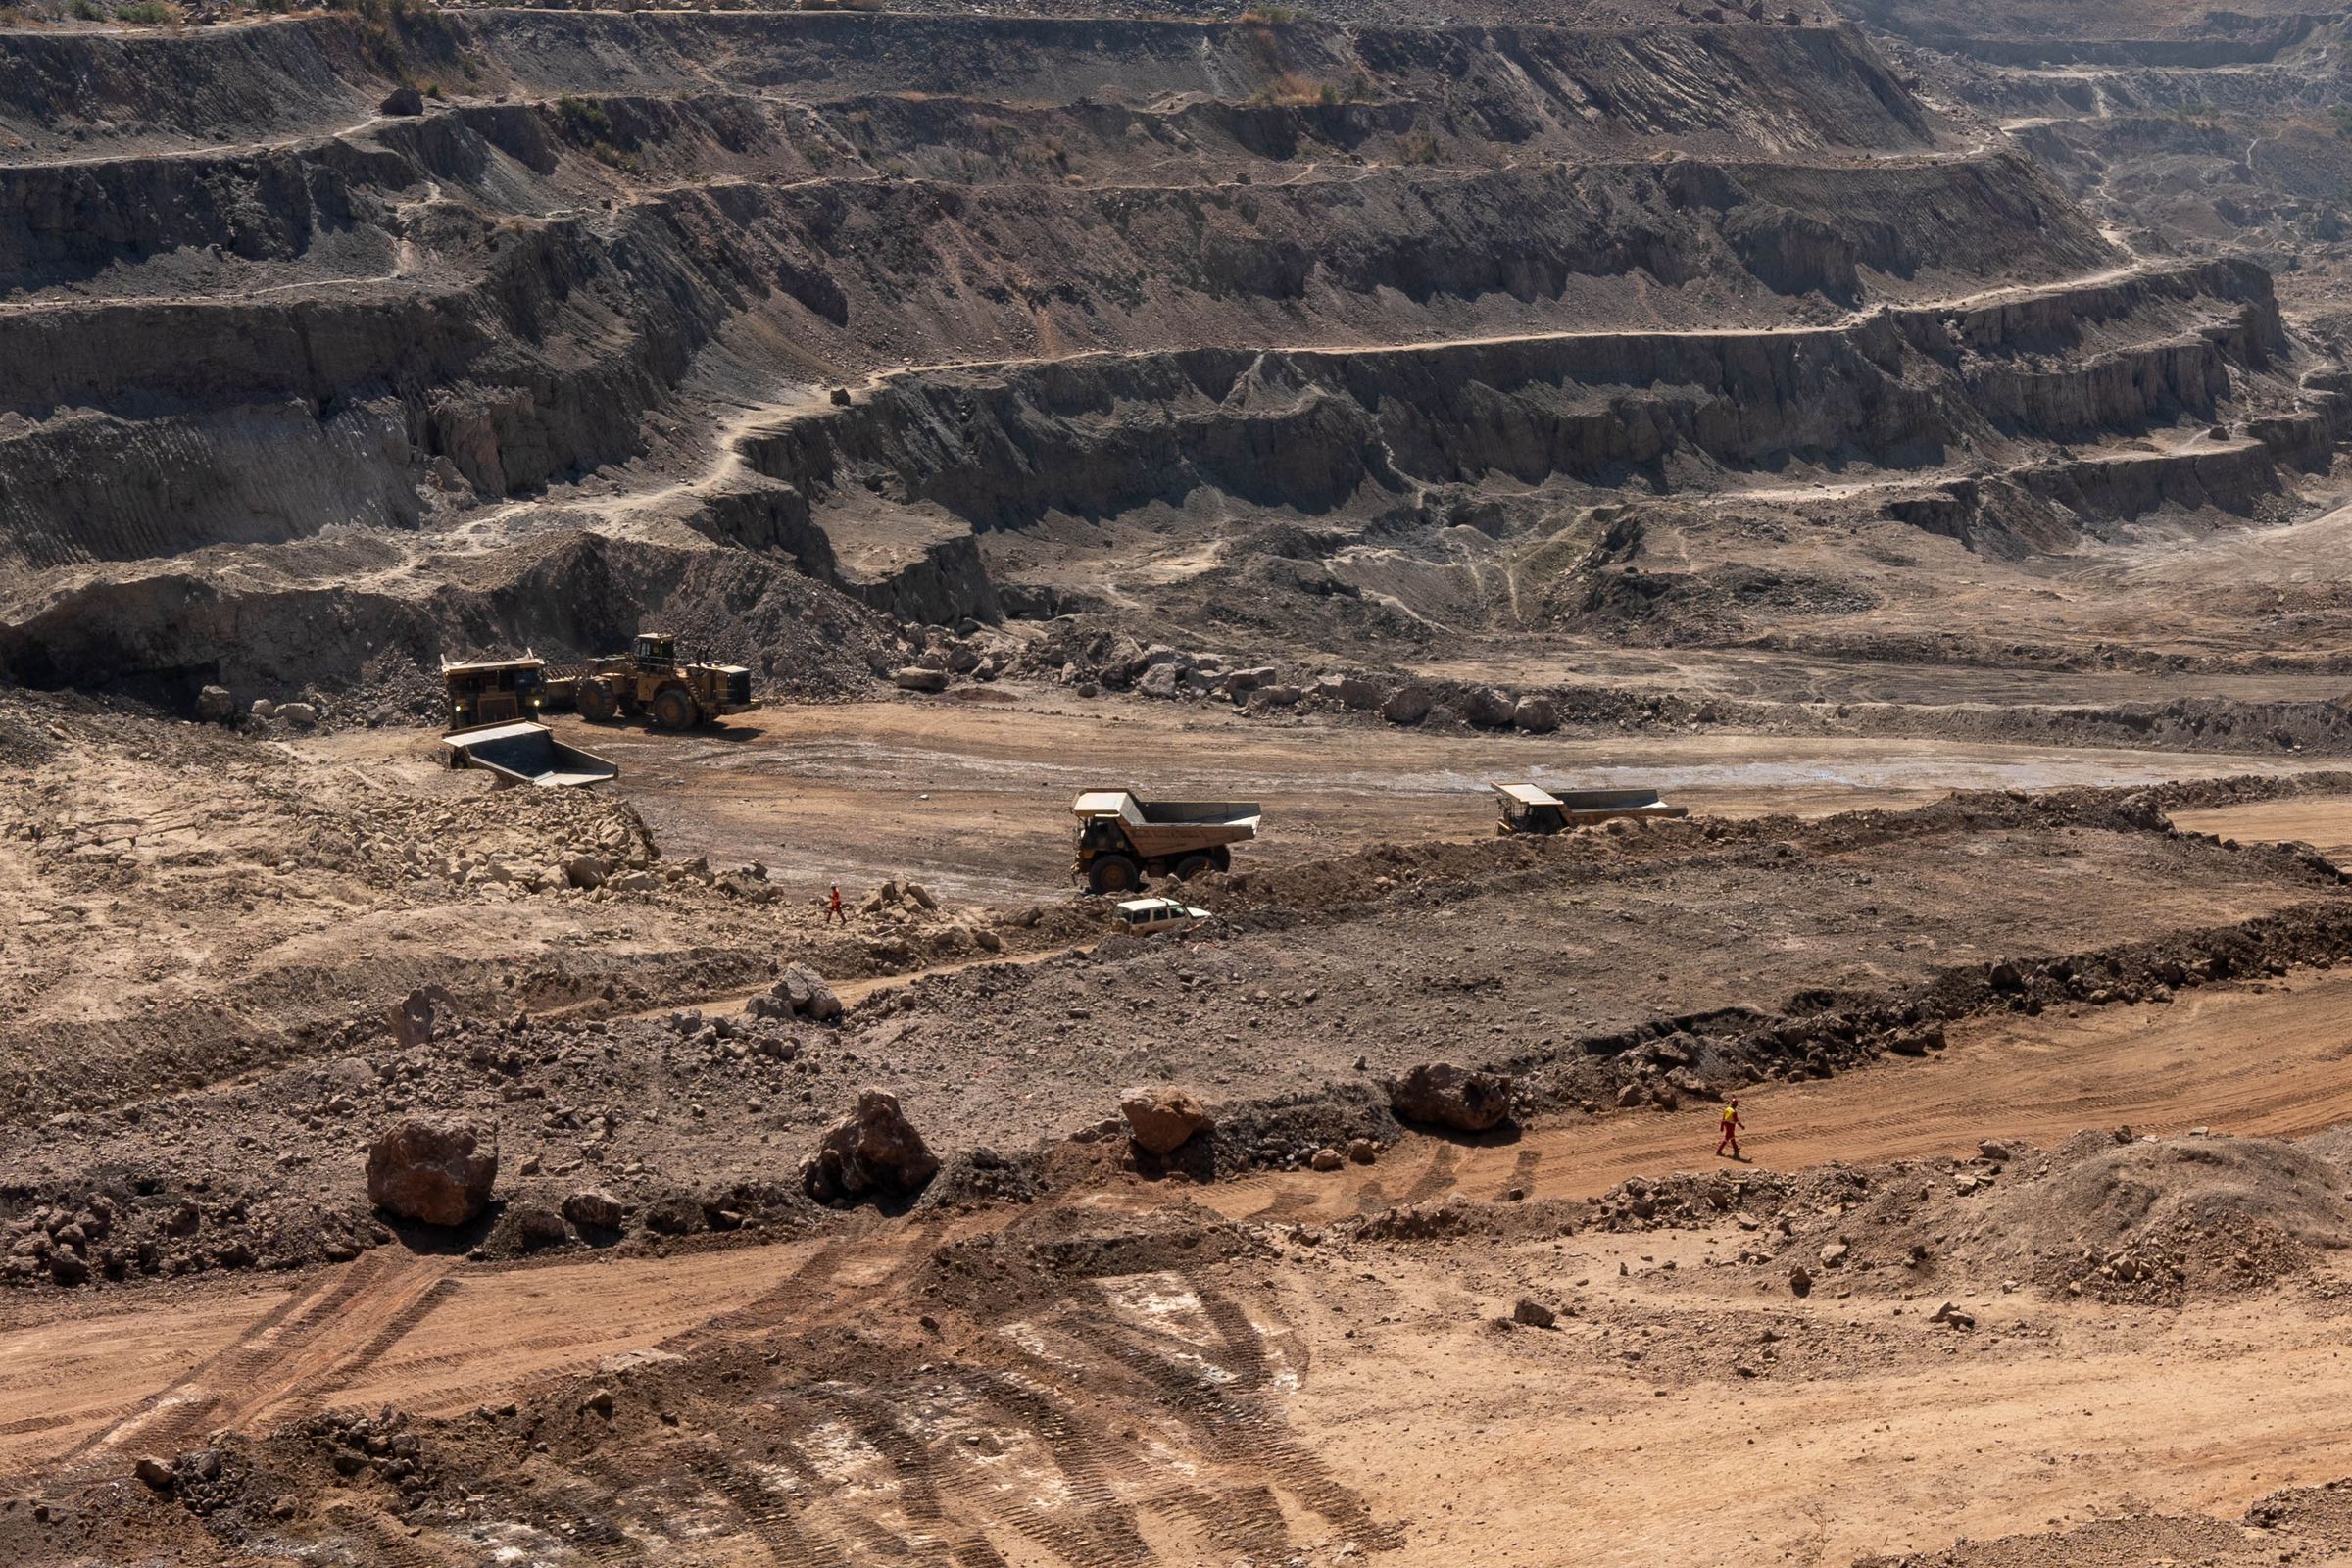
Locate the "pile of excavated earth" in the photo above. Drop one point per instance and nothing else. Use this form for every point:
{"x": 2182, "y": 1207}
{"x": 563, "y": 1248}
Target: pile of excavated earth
{"x": 1908, "y": 437}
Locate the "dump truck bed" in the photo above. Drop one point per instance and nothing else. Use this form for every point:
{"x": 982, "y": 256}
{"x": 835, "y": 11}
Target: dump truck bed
{"x": 1583, "y": 806}
{"x": 1165, "y": 827}
{"x": 526, "y": 753}
{"x": 1591, "y": 806}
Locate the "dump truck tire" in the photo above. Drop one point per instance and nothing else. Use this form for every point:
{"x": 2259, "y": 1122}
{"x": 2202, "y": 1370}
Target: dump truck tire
{"x": 1113, "y": 873}
{"x": 1222, "y": 857}
{"x": 674, "y": 707}
{"x": 595, "y": 701}
{"x": 1192, "y": 865}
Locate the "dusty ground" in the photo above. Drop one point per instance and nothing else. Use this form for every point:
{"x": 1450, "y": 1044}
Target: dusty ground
{"x": 1347, "y": 1379}
{"x": 1907, "y": 436}
{"x": 1363, "y": 1364}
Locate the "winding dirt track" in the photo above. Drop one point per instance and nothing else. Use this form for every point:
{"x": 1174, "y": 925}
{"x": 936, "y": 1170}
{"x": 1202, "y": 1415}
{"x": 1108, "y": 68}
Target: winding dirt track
{"x": 80, "y": 1392}
{"x": 2234, "y": 1060}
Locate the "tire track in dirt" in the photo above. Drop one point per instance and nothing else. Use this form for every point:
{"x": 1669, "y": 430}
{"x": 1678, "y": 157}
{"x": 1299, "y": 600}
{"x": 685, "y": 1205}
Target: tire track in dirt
{"x": 1235, "y": 1431}
{"x": 1435, "y": 1176}
{"x": 1104, "y": 1531}
{"x": 770, "y": 1518}
{"x": 281, "y": 1348}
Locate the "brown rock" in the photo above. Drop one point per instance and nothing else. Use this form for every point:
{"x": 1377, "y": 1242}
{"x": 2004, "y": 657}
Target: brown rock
{"x": 1442, "y": 1094}
{"x": 440, "y": 1173}
{"x": 1534, "y": 1314}
{"x": 805, "y": 991}
{"x": 872, "y": 1151}
{"x": 1327, "y": 1159}
{"x": 596, "y": 1209}
{"x": 535, "y": 1225}
{"x": 1159, "y": 1120}
{"x": 417, "y": 1014}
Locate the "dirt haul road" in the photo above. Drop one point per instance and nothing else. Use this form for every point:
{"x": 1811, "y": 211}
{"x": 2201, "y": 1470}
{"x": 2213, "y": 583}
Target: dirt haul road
{"x": 81, "y": 1393}
{"x": 973, "y": 798}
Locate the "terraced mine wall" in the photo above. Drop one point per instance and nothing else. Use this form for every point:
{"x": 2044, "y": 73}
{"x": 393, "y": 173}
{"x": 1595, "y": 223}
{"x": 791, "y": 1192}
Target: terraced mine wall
{"x": 1313, "y": 432}
{"x": 244, "y": 309}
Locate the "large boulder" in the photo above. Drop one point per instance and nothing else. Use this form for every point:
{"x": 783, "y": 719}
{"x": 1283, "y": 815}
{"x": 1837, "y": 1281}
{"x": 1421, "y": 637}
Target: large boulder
{"x": 402, "y": 101}
{"x": 875, "y": 1152}
{"x": 213, "y": 705}
{"x": 1159, "y": 1120}
{"x": 1346, "y": 691}
{"x": 916, "y": 678}
{"x": 594, "y": 1209}
{"x": 1538, "y": 715}
{"x": 805, "y": 992}
{"x": 438, "y": 1172}
{"x": 1489, "y": 708}
{"x": 1407, "y": 704}
{"x": 1440, "y": 1094}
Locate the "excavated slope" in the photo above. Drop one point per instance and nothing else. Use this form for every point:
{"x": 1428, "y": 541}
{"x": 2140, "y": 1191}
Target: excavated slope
{"x": 260, "y": 337}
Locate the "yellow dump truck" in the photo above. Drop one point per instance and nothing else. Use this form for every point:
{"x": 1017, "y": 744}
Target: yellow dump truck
{"x": 1123, "y": 839}
{"x": 1529, "y": 809}
{"x": 492, "y": 691}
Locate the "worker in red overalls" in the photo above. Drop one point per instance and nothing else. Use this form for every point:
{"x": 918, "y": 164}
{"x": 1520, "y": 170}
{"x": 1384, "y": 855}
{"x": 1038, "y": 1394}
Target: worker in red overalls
{"x": 1731, "y": 1131}
{"x": 833, "y": 909}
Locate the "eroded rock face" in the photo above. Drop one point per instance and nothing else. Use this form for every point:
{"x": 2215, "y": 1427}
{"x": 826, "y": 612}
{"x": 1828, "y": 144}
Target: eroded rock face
{"x": 1442, "y": 1094}
{"x": 875, "y": 1152}
{"x": 437, "y": 1172}
{"x": 1160, "y": 1119}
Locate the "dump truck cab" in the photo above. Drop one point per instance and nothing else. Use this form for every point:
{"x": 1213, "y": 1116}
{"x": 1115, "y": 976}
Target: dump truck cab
{"x": 1123, "y": 839}
{"x": 492, "y": 691}
{"x": 1532, "y": 809}
{"x": 1529, "y": 810}
{"x": 649, "y": 681}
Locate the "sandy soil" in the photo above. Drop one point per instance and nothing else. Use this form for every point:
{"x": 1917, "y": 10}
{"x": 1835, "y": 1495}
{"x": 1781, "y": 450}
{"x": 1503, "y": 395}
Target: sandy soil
{"x": 974, "y": 797}
{"x": 2325, "y": 823}
{"x": 1406, "y": 1410}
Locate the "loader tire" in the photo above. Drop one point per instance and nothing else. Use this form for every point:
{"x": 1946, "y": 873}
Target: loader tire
{"x": 1113, "y": 873}
{"x": 596, "y": 701}
{"x": 674, "y": 707}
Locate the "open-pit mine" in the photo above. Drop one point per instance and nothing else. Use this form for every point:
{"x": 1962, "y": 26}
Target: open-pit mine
{"x": 1054, "y": 784}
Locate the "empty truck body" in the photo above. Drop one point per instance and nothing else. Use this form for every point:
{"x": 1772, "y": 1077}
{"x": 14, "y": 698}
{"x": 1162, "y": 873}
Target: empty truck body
{"x": 525, "y": 753}
{"x": 1122, "y": 839}
{"x": 1528, "y": 808}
